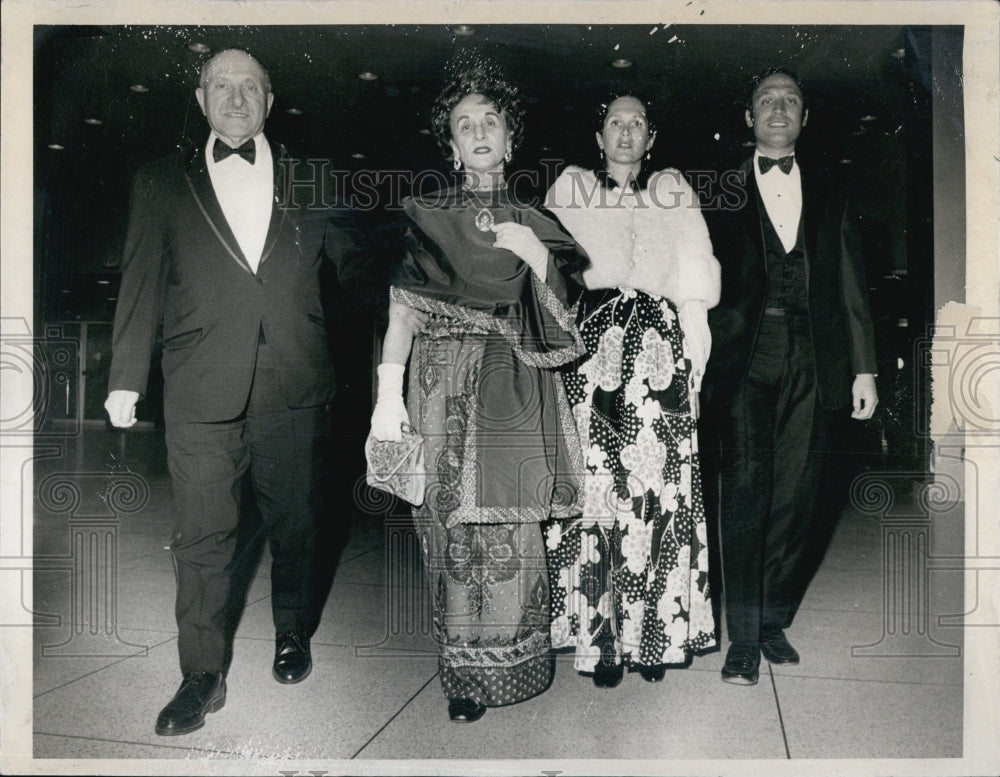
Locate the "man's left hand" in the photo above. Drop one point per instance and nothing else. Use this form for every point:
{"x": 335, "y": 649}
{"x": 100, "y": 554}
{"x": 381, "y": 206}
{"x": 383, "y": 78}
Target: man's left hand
{"x": 864, "y": 396}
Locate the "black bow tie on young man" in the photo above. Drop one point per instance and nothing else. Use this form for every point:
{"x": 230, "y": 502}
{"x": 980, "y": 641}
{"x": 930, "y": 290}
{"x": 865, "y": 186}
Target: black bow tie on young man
{"x": 784, "y": 164}
{"x": 222, "y": 150}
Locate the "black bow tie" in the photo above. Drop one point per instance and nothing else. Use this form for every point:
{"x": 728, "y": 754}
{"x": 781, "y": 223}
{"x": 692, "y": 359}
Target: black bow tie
{"x": 784, "y": 164}
{"x": 221, "y": 150}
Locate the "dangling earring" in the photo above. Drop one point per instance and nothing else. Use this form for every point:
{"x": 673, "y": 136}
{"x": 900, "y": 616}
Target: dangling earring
{"x": 602, "y": 154}
{"x": 649, "y": 155}
{"x": 506, "y": 157}
{"x": 457, "y": 162}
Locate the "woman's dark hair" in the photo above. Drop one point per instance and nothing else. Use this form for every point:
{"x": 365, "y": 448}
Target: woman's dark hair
{"x": 602, "y": 115}
{"x": 602, "y": 110}
{"x": 474, "y": 74}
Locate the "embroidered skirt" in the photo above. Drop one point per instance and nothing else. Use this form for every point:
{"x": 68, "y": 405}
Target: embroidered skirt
{"x": 484, "y": 552}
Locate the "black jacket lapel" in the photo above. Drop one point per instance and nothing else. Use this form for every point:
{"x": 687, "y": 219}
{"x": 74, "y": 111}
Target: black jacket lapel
{"x": 278, "y": 215}
{"x": 752, "y": 224}
{"x": 812, "y": 211}
{"x": 814, "y": 195}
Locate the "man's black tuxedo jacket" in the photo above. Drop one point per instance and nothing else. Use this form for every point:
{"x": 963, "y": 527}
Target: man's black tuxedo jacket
{"x": 839, "y": 315}
{"x": 184, "y": 269}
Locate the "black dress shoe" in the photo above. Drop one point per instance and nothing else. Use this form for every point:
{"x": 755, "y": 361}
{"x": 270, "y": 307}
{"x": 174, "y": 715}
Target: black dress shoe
{"x": 606, "y": 676}
{"x": 292, "y": 659}
{"x": 653, "y": 674}
{"x": 776, "y": 648}
{"x": 742, "y": 664}
{"x": 465, "y": 710}
{"x": 200, "y": 693}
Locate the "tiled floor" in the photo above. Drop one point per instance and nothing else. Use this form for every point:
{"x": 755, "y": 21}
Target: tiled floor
{"x": 877, "y": 680}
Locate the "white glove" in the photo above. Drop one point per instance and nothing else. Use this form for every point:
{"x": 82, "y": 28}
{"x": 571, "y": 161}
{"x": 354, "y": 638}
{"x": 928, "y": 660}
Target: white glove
{"x": 693, "y": 317}
{"x": 390, "y": 411}
{"x": 120, "y": 405}
{"x": 523, "y": 243}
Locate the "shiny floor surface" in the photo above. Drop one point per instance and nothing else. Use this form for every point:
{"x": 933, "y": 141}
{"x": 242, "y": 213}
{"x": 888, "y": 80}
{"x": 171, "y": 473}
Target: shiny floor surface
{"x": 881, "y": 675}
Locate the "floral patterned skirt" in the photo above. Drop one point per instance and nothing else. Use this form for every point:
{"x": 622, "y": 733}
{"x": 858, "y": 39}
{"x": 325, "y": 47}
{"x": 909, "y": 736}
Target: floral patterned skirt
{"x": 630, "y": 576}
{"x": 488, "y": 578}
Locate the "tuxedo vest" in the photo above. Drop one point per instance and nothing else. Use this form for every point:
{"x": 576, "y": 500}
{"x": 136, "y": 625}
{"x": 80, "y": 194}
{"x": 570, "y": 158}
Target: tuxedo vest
{"x": 786, "y": 270}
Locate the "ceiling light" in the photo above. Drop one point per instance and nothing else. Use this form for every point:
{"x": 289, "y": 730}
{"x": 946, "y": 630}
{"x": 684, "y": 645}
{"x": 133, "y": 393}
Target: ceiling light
{"x": 846, "y": 161}
{"x": 57, "y": 147}
{"x": 621, "y": 62}
{"x": 357, "y": 155}
{"x": 198, "y": 47}
{"x": 367, "y": 75}
{"x": 868, "y": 117}
{"x": 293, "y": 111}
{"x": 139, "y": 88}
{"x": 898, "y": 54}
{"x": 464, "y": 29}
{"x": 425, "y": 131}
{"x": 749, "y": 143}
{"x": 92, "y": 121}
{"x": 103, "y": 282}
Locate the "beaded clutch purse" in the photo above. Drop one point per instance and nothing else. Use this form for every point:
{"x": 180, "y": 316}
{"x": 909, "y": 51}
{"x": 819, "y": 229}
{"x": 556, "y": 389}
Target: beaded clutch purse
{"x": 398, "y": 467}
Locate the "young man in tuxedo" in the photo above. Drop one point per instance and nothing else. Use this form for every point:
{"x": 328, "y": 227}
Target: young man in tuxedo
{"x": 224, "y": 260}
{"x": 792, "y": 342}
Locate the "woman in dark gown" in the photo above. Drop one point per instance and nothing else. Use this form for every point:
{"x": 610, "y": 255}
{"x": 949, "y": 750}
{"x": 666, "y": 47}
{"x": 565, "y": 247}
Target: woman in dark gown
{"x": 479, "y": 309}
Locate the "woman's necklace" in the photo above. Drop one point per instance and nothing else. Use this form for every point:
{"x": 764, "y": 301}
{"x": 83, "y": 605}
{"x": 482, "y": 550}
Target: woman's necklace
{"x": 484, "y": 218}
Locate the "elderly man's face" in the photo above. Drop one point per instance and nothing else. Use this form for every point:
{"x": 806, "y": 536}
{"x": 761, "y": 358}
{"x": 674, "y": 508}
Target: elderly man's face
{"x": 235, "y": 98}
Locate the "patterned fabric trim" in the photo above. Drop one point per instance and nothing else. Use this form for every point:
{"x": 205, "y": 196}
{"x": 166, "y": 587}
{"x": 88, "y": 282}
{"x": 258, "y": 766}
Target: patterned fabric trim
{"x": 468, "y": 511}
{"x": 531, "y": 648}
{"x": 565, "y": 317}
{"x": 576, "y": 462}
{"x": 477, "y": 321}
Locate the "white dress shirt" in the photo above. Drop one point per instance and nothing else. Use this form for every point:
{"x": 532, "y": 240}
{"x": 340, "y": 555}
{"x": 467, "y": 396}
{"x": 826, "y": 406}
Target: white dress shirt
{"x": 245, "y": 192}
{"x": 782, "y": 196}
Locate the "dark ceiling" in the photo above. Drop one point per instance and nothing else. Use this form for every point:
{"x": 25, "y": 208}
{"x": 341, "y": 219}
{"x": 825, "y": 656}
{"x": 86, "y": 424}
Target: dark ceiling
{"x": 696, "y": 77}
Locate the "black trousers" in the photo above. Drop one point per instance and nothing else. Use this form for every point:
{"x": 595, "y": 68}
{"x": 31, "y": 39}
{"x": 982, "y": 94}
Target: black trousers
{"x": 773, "y": 439}
{"x": 285, "y": 451}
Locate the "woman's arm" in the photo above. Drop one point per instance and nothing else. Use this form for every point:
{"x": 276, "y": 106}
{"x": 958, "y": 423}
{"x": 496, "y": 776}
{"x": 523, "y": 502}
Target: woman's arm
{"x": 390, "y": 413}
{"x": 697, "y": 283}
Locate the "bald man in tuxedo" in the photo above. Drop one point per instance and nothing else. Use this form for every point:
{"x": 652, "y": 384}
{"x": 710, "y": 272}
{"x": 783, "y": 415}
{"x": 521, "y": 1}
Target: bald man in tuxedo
{"x": 222, "y": 258}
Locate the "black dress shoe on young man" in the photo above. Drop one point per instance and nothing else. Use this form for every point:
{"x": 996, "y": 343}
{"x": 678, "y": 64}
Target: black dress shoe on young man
{"x": 465, "y": 710}
{"x": 606, "y": 676}
{"x": 742, "y": 664}
{"x": 653, "y": 674}
{"x": 292, "y": 659}
{"x": 776, "y": 648}
{"x": 200, "y": 693}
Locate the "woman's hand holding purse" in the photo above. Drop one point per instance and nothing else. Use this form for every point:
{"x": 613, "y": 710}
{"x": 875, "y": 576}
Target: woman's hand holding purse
{"x": 390, "y": 413}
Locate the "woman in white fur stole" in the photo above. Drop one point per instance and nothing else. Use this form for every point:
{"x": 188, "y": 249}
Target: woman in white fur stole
{"x": 630, "y": 576}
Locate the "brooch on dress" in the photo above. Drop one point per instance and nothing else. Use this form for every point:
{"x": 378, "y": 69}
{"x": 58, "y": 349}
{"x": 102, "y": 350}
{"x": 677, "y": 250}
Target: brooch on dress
{"x": 484, "y": 220}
